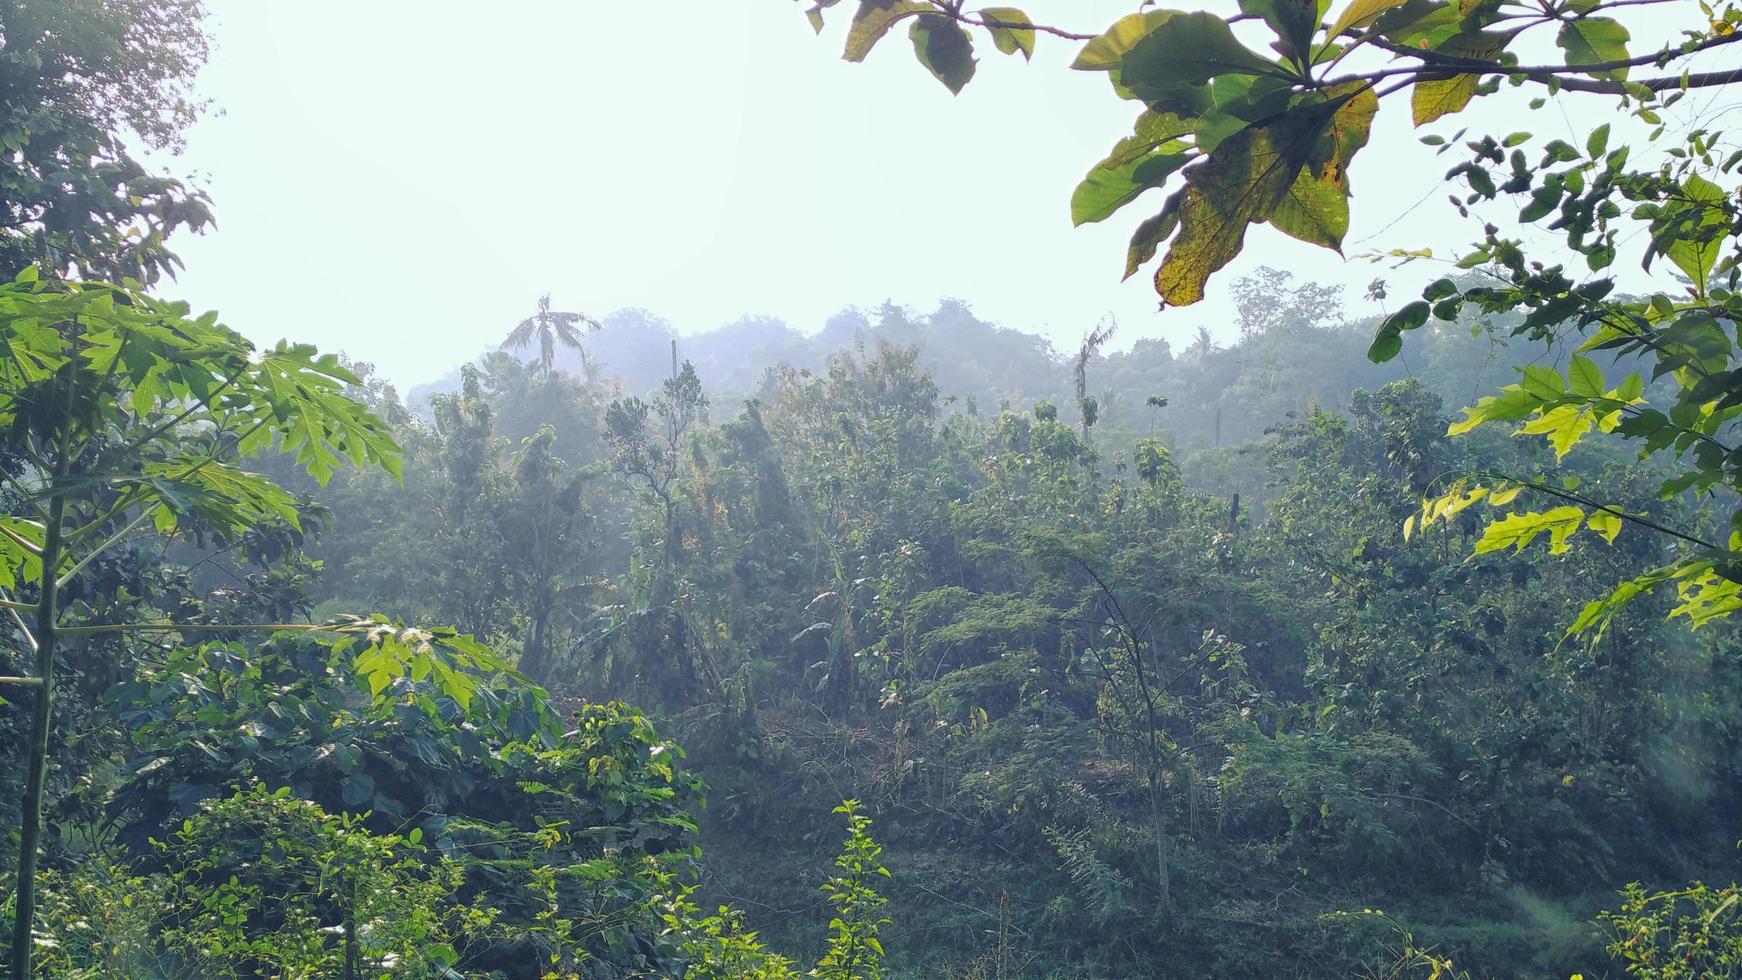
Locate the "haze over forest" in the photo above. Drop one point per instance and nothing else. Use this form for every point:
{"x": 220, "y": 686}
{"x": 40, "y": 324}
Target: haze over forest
{"x": 1340, "y": 619}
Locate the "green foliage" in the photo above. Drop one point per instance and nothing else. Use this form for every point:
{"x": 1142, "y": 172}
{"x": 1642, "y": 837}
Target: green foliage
{"x": 1690, "y": 932}
{"x": 81, "y": 86}
{"x": 265, "y": 883}
{"x": 854, "y": 951}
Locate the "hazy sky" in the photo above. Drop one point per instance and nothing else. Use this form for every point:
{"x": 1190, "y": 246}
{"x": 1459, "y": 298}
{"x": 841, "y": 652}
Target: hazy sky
{"x": 401, "y": 180}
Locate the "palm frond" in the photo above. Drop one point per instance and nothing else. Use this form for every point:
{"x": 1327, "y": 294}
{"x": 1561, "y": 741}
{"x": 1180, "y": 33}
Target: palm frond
{"x": 522, "y": 334}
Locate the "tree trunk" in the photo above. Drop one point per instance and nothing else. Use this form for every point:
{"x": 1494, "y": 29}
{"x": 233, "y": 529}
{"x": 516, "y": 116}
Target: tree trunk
{"x": 1163, "y": 878}
{"x": 30, "y": 826}
{"x": 532, "y": 657}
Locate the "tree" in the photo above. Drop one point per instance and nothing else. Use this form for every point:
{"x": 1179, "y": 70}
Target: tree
{"x": 647, "y": 441}
{"x": 1093, "y": 341}
{"x": 549, "y": 327}
{"x": 78, "y": 82}
{"x": 1245, "y": 139}
{"x": 549, "y": 530}
{"x": 130, "y": 417}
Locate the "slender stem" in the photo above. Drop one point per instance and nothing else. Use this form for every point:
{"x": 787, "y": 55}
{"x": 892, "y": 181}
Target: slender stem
{"x": 130, "y": 497}
{"x": 990, "y": 22}
{"x": 1631, "y": 518}
{"x": 99, "y": 549}
{"x": 206, "y": 402}
{"x": 1435, "y": 64}
{"x": 24, "y": 494}
{"x": 19, "y": 541}
{"x": 13, "y": 610}
{"x": 202, "y": 628}
{"x": 17, "y": 606}
{"x": 21, "y": 681}
{"x": 30, "y": 820}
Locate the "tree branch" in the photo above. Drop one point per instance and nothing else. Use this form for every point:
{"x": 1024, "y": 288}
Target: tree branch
{"x": 1588, "y": 502}
{"x": 993, "y": 22}
{"x": 1557, "y": 74}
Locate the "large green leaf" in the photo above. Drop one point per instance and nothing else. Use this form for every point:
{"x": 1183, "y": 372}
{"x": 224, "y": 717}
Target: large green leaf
{"x": 299, "y": 394}
{"x": 1594, "y": 40}
{"x": 1295, "y": 22}
{"x": 944, "y": 48}
{"x": 1139, "y": 162}
{"x": 1388, "y": 342}
{"x": 1696, "y": 232}
{"x": 1188, "y": 50}
{"x": 874, "y": 19}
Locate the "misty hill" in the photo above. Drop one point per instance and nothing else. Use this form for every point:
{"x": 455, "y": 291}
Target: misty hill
{"x": 1297, "y": 350}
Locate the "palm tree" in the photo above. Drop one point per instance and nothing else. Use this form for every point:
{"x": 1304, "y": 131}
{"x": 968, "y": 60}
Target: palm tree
{"x": 1203, "y": 345}
{"x": 549, "y": 327}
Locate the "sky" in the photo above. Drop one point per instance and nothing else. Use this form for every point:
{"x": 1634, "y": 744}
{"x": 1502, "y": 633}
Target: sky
{"x": 401, "y": 180}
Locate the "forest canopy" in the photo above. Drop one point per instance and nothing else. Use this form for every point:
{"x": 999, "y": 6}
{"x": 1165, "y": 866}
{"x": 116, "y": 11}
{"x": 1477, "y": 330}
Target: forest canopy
{"x": 1391, "y": 645}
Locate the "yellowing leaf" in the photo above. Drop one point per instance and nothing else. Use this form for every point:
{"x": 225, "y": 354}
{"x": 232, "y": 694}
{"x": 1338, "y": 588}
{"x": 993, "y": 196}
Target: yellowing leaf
{"x": 1316, "y": 208}
{"x": 1442, "y": 97}
{"x": 1563, "y": 425}
{"x": 1519, "y": 530}
{"x": 1104, "y": 53}
{"x": 874, "y": 19}
{"x": 1500, "y": 498}
{"x": 1009, "y": 40}
{"x": 1239, "y": 184}
{"x": 1358, "y": 14}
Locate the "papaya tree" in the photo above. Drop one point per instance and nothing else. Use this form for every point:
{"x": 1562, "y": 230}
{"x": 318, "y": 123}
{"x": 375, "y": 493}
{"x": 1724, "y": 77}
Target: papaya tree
{"x": 128, "y": 418}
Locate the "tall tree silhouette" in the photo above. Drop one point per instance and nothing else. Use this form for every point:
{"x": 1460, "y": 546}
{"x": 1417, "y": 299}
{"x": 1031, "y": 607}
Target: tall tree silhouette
{"x": 549, "y": 327}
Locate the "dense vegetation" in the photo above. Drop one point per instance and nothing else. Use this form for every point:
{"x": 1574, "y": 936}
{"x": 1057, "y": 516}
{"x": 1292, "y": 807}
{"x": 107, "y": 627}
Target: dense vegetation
{"x": 1218, "y": 661}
